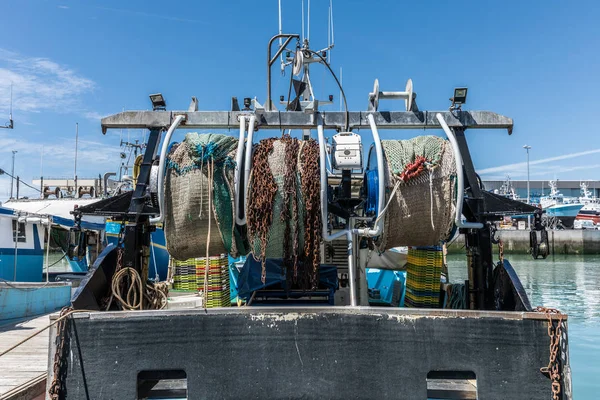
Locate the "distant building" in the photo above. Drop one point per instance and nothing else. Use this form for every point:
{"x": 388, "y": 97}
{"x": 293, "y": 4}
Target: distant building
{"x": 540, "y": 188}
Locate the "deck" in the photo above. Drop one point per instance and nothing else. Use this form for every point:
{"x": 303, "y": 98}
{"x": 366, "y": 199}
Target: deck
{"x": 23, "y": 370}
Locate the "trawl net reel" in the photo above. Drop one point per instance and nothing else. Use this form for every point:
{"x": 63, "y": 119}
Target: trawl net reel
{"x": 339, "y": 197}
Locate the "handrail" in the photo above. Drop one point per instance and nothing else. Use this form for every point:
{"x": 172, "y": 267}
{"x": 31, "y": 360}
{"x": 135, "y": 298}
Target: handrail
{"x": 161, "y": 170}
{"x": 248, "y": 159}
{"x": 238, "y": 165}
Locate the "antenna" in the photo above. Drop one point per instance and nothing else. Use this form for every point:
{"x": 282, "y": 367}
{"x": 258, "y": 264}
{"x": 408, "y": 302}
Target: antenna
{"x": 308, "y": 23}
{"x": 10, "y": 113}
{"x": 341, "y": 84}
{"x": 76, "y": 143}
{"x": 10, "y": 124}
{"x": 302, "y": 1}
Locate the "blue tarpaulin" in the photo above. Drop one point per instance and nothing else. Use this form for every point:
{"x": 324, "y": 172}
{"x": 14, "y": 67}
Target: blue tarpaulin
{"x": 249, "y": 278}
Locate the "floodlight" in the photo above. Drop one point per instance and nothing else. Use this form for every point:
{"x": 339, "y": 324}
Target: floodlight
{"x": 158, "y": 102}
{"x": 460, "y": 96}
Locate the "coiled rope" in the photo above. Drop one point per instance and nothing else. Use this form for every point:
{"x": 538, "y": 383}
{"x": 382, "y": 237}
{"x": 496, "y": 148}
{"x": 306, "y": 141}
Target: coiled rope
{"x": 130, "y": 292}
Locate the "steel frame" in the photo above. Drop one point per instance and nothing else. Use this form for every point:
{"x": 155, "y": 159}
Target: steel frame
{"x": 307, "y": 120}
{"x": 480, "y": 273}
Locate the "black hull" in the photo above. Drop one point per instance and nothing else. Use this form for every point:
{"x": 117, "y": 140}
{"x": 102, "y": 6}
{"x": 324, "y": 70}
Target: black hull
{"x": 567, "y": 222}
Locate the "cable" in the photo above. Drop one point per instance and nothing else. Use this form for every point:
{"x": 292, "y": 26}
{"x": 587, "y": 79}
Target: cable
{"x": 3, "y": 171}
{"x": 339, "y": 85}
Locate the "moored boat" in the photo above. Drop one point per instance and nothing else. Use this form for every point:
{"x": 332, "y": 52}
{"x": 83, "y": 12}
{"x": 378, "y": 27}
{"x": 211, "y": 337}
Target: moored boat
{"x": 563, "y": 208}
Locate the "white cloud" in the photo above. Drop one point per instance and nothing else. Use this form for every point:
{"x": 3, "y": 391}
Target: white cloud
{"x": 90, "y": 154}
{"x": 63, "y": 7}
{"x": 40, "y": 84}
{"x": 522, "y": 166}
{"x": 93, "y": 115}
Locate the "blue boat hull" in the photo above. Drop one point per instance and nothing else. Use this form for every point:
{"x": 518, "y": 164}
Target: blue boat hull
{"x": 565, "y": 210}
{"x": 21, "y": 300}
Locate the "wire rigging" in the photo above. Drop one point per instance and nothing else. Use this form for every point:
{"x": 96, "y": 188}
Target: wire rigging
{"x": 3, "y": 171}
{"x": 339, "y": 85}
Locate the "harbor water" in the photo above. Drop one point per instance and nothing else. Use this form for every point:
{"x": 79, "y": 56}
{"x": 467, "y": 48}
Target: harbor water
{"x": 571, "y": 284}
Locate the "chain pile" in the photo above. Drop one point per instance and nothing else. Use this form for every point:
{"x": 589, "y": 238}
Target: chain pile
{"x": 553, "y": 368}
{"x": 261, "y": 195}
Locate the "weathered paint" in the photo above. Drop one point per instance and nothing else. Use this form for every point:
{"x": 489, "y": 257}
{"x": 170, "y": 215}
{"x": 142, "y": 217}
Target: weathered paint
{"x": 308, "y": 352}
{"x": 18, "y": 300}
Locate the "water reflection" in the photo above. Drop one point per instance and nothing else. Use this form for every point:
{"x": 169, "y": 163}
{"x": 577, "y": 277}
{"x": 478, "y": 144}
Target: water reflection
{"x": 571, "y": 284}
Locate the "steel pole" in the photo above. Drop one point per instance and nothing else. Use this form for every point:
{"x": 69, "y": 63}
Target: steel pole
{"x": 528, "y": 190}
{"x": 527, "y": 148}
{"x": 76, "y": 143}
{"x": 12, "y": 173}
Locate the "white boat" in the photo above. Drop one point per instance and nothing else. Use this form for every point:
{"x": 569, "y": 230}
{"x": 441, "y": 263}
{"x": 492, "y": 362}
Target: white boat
{"x": 507, "y": 190}
{"x": 560, "y": 206}
{"x": 591, "y": 205}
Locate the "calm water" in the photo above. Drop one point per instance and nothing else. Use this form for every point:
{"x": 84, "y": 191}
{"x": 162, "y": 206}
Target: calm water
{"x": 571, "y": 284}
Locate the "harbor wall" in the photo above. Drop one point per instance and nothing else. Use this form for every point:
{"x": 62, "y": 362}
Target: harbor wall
{"x": 569, "y": 241}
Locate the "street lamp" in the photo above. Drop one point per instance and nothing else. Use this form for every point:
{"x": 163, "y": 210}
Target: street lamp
{"x": 527, "y": 148}
{"x": 12, "y": 173}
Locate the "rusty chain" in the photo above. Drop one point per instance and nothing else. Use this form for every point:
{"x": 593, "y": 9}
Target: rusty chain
{"x": 501, "y": 250}
{"x": 289, "y": 210}
{"x": 261, "y": 195}
{"x": 298, "y": 158}
{"x": 59, "y": 368}
{"x": 553, "y": 368}
{"x": 311, "y": 190}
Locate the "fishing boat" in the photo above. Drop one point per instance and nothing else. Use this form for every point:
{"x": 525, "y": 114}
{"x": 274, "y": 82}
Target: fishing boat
{"x": 591, "y": 205}
{"x": 23, "y": 290}
{"x": 563, "y": 208}
{"x": 32, "y": 284}
{"x": 305, "y": 328}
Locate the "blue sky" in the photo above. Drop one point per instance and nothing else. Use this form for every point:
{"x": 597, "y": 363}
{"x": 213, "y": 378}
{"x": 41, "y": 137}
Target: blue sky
{"x": 75, "y": 61}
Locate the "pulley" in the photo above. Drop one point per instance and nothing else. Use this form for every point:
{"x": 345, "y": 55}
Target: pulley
{"x": 298, "y": 62}
{"x": 153, "y": 184}
{"x": 407, "y": 95}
